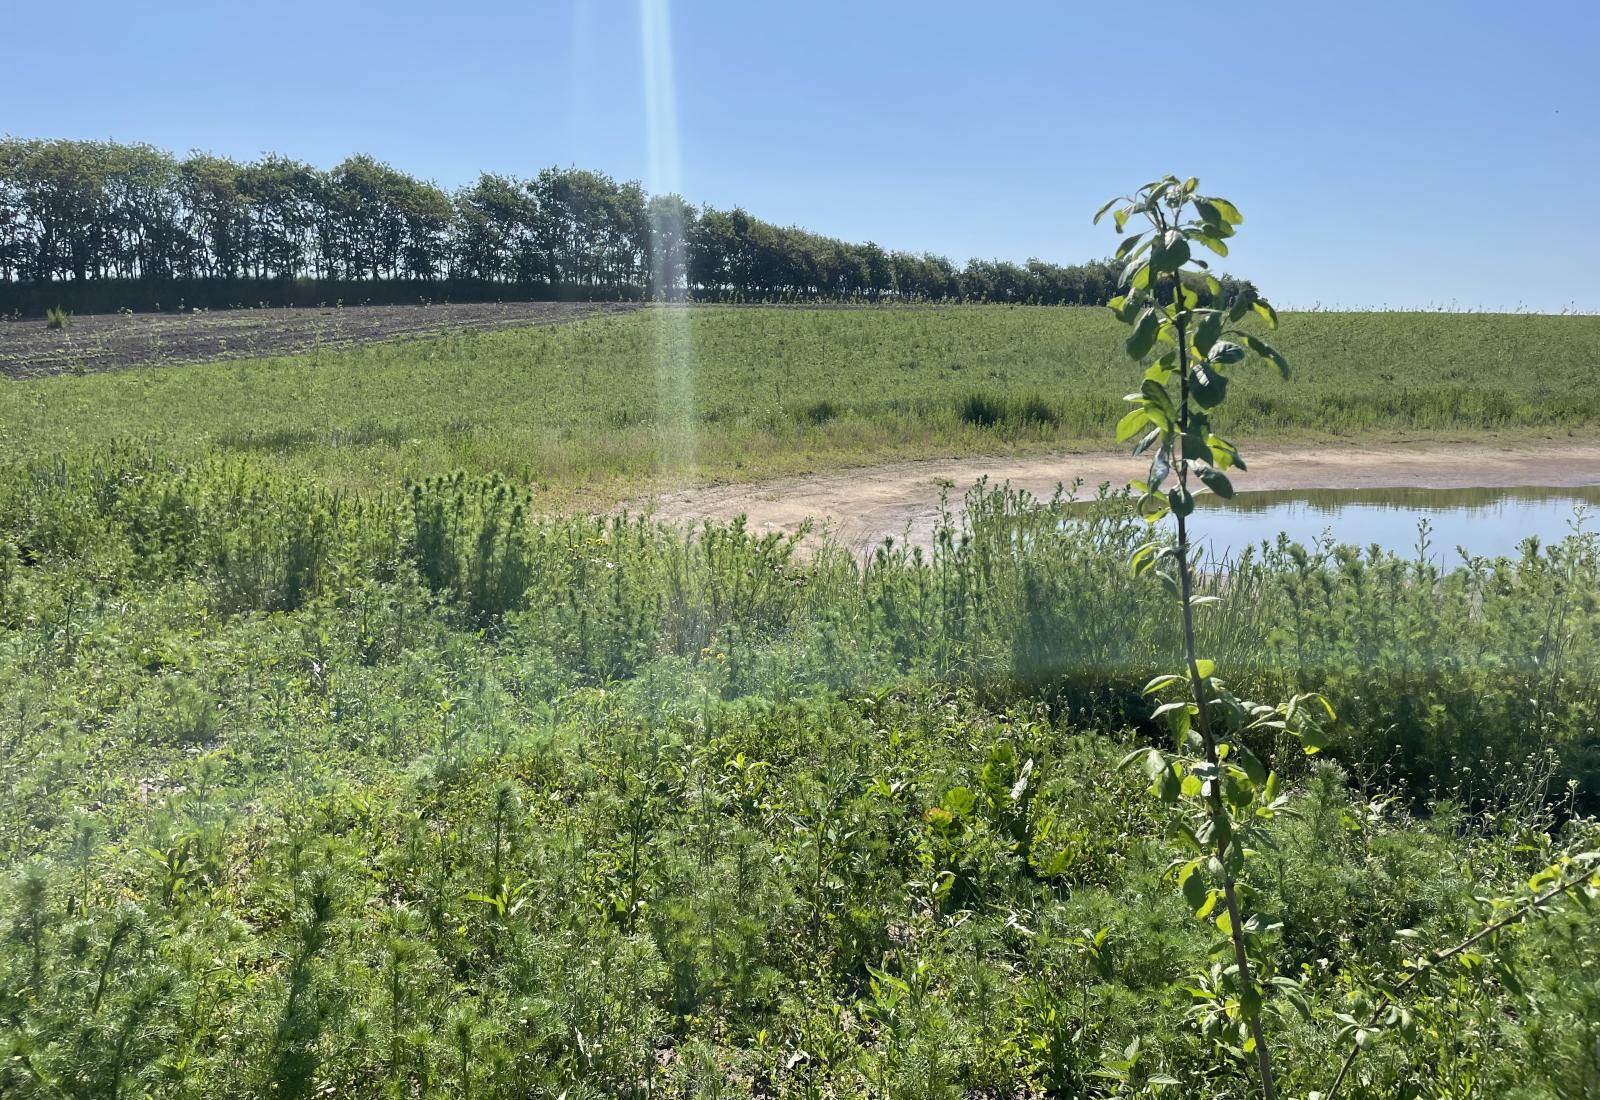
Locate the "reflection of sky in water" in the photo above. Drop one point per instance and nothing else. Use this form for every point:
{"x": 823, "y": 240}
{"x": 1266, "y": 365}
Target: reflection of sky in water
{"x": 1489, "y": 522}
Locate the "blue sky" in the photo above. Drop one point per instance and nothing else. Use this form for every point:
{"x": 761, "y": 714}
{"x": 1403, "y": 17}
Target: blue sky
{"x": 1400, "y": 154}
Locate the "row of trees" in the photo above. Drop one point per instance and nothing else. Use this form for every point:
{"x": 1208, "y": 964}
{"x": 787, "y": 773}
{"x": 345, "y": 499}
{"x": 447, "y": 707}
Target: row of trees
{"x": 76, "y": 213}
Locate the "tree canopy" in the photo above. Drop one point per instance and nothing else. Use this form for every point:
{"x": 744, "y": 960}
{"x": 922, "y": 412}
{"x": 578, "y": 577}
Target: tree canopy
{"x": 74, "y": 213}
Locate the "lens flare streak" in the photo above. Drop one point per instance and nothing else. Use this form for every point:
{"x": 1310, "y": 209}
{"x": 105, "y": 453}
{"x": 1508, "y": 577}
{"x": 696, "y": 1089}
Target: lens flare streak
{"x": 668, "y": 275}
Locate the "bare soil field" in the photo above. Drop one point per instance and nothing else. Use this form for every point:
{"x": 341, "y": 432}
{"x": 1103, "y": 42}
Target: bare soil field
{"x": 862, "y": 507}
{"x": 110, "y": 341}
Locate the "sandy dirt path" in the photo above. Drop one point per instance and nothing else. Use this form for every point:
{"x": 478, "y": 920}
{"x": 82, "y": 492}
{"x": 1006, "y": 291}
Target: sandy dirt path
{"x": 859, "y": 508}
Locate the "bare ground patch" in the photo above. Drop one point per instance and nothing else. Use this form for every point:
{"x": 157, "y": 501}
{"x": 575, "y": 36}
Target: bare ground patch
{"x": 111, "y": 341}
{"x": 860, "y": 508}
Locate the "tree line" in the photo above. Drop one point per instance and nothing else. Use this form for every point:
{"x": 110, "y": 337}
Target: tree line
{"x": 103, "y": 224}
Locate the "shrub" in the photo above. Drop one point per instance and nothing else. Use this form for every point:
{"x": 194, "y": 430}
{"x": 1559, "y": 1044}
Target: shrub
{"x": 983, "y": 410}
{"x": 1035, "y": 411}
{"x": 986, "y": 410}
{"x": 57, "y": 318}
{"x": 819, "y": 412}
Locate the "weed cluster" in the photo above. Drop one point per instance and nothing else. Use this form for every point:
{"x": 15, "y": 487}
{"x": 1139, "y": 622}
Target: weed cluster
{"x": 314, "y": 795}
{"x": 987, "y": 410}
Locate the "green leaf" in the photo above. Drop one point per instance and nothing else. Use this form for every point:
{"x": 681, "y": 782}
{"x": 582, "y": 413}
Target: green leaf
{"x": 1206, "y": 666}
{"x": 1267, "y": 352}
{"x": 1163, "y": 681}
{"x": 1098, "y": 214}
{"x": 1225, "y": 454}
{"x": 1159, "y": 469}
{"x": 1133, "y": 757}
{"x": 1214, "y": 243}
{"x": 1250, "y": 1006}
{"x": 1152, "y": 508}
{"x": 1157, "y": 398}
{"x": 1131, "y": 247}
{"x": 1129, "y": 425}
{"x": 1193, "y": 885}
{"x": 1207, "y": 332}
{"x": 1226, "y": 352}
{"x": 1121, "y": 217}
{"x": 1268, "y": 314}
{"x": 1194, "y": 446}
{"x": 1538, "y": 879}
{"x": 1208, "y": 388}
{"x": 1156, "y": 764}
{"x": 1217, "y": 481}
{"x": 959, "y": 801}
{"x": 1241, "y": 304}
{"x": 1251, "y": 763}
{"x": 1143, "y": 558}
{"x": 1226, "y": 211}
{"x": 1180, "y": 500}
{"x": 1143, "y": 336}
{"x": 1170, "y": 253}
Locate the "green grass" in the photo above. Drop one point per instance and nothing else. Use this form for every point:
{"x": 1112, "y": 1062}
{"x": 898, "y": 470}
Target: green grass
{"x": 766, "y": 391}
{"x": 419, "y": 793}
{"x": 414, "y": 795}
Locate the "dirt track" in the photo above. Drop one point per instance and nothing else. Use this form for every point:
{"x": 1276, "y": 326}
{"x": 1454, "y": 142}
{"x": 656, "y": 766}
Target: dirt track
{"x": 107, "y": 341}
{"x": 859, "y": 508}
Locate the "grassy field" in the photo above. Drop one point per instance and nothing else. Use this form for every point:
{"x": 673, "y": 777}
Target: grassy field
{"x": 309, "y": 793}
{"x": 587, "y": 412}
{"x": 309, "y": 797}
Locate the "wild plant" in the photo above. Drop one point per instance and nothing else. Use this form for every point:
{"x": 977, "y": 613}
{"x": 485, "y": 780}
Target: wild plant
{"x": 1229, "y": 795}
{"x": 1212, "y": 770}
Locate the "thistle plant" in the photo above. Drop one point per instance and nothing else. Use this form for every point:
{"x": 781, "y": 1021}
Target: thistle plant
{"x": 1175, "y": 310}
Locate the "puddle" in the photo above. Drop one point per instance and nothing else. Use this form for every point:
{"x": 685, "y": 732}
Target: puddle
{"x": 1488, "y": 522}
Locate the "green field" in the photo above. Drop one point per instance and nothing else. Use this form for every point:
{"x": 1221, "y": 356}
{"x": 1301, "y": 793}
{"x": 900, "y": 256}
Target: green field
{"x": 434, "y": 792}
{"x": 588, "y": 409}
{"x": 418, "y": 796}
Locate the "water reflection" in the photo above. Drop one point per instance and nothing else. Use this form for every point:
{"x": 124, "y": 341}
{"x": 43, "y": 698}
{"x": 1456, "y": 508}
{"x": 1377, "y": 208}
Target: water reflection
{"x": 1489, "y": 522}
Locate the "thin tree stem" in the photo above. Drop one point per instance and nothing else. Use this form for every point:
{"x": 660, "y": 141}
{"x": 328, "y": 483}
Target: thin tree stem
{"x": 1449, "y": 953}
{"x": 1203, "y": 718}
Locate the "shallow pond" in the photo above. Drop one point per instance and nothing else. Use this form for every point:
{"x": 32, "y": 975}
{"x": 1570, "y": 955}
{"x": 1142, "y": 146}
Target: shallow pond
{"x": 1487, "y": 522}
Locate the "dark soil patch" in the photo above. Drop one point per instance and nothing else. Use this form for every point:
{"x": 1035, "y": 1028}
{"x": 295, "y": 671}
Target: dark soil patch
{"x": 110, "y": 341}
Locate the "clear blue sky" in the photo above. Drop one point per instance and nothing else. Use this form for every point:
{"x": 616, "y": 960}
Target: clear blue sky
{"x": 1407, "y": 153}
